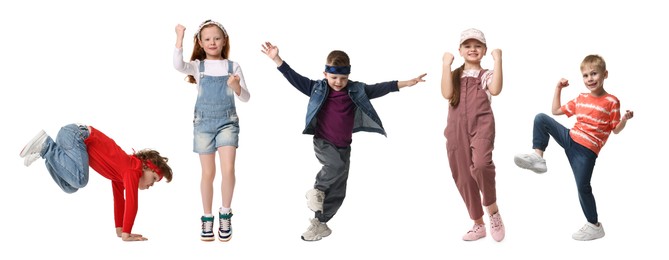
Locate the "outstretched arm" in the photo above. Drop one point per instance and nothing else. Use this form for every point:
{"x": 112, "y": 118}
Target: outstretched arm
{"x": 301, "y": 83}
{"x": 556, "y": 97}
{"x": 447, "y": 76}
{"x": 623, "y": 121}
{"x": 411, "y": 82}
{"x": 272, "y": 52}
{"x": 496, "y": 85}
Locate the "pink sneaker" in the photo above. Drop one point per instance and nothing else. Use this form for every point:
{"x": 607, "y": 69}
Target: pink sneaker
{"x": 496, "y": 227}
{"x": 477, "y": 232}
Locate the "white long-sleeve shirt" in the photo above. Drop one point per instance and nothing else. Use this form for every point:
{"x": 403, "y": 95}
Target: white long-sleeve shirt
{"x": 212, "y": 68}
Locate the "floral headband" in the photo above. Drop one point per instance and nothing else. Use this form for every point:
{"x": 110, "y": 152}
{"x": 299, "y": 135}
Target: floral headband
{"x": 208, "y": 22}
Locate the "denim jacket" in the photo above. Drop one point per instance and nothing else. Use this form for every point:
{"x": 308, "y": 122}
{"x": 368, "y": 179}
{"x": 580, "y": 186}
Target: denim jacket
{"x": 366, "y": 118}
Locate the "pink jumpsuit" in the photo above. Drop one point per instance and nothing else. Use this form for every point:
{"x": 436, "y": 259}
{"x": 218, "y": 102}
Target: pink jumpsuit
{"x": 470, "y": 138}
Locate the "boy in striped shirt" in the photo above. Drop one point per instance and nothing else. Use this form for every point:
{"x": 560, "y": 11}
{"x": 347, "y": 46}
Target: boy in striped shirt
{"x": 597, "y": 115}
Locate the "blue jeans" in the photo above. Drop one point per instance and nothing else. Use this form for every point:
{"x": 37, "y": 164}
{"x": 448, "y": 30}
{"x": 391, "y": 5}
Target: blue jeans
{"x": 581, "y": 159}
{"x": 67, "y": 157}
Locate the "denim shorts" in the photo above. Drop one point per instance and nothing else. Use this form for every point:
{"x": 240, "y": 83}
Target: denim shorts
{"x": 213, "y": 130}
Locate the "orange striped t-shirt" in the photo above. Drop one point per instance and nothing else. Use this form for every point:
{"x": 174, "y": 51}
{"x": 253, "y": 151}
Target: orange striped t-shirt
{"x": 595, "y": 118}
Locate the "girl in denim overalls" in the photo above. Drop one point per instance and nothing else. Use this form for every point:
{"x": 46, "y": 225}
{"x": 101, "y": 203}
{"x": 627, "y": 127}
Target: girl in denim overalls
{"x": 215, "y": 123}
{"x": 470, "y": 130}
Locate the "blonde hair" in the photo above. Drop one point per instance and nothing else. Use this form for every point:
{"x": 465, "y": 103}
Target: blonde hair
{"x": 595, "y": 61}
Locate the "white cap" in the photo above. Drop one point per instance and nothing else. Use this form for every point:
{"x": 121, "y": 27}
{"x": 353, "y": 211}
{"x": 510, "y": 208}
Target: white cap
{"x": 472, "y": 33}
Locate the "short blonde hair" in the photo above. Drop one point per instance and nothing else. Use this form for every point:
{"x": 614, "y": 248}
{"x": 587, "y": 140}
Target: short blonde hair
{"x": 595, "y": 61}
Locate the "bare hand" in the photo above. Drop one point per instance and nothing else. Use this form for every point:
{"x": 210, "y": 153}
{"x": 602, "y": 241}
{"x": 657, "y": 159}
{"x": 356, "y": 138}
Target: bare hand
{"x": 233, "y": 82}
{"x": 563, "y": 83}
{"x": 270, "y": 50}
{"x": 180, "y": 29}
{"x": 448, "y": 58}
{"x": 416, "y": 80}
{"x": 133, "y": 237}
{"x": 628, "y": 115}
{"x": 496, "y": 54}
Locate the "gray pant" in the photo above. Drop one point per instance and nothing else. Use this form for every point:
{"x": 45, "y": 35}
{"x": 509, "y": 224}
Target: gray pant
{"x": 332, "y": 177}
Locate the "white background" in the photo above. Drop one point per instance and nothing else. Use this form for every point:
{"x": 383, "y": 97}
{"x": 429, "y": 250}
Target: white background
{"x": 109, "y": 64}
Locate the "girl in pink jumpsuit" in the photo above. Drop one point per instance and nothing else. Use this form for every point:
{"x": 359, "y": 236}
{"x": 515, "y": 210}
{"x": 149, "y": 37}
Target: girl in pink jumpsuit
{"x": 470, "y": 130}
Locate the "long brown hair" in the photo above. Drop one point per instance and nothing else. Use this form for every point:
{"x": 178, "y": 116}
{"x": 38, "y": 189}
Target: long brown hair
{"x": 154, "y": 157}
{"x": 456, "y": 74}
{"x": 199, "y": 54}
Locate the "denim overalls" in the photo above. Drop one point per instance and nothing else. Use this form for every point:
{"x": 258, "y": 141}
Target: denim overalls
{"x": 215, "y": 122}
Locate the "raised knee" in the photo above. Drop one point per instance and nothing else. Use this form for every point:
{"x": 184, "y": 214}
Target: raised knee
{"x": 540, "y": 117}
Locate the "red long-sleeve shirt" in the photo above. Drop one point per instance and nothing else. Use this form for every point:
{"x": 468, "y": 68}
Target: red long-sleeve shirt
{"x": 124, "y": 170}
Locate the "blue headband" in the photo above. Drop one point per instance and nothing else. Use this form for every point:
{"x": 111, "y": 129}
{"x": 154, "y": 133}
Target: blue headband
{"x": 344, "y": 70}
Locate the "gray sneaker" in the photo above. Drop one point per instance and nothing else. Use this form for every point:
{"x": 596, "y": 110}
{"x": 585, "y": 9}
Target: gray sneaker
{"x": 315, "y": 199}
{"x": 531, "y": 161}
{"x": 35, "y": 145}
{"x": 316, "y": 231}
{"x": 589, "y": 231}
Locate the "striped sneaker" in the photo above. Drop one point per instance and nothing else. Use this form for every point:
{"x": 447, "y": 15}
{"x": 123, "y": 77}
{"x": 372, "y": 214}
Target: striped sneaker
{"x": 207, "y": 228}
{"x": 225, "y": 226}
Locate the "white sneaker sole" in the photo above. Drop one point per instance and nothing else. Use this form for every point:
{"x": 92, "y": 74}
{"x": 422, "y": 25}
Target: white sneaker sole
{"x": 316, "y": 237}
{"x": 207, "y": 239}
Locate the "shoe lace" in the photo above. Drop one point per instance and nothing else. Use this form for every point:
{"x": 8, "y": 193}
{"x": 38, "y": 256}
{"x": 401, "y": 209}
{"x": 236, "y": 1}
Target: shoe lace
{"x": 315, "y": 226}
{"x": 496, "y": 221}
{"x": 475, "y": 228}
{"x": 584, "y": 228}
{"x": 225, "y": 221}
{"x": 207, "y": 226}
{"x": 31, "y": 158}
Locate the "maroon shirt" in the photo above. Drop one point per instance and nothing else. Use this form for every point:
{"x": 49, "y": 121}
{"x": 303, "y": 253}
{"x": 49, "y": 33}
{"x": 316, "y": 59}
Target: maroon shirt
{"x": 335, "y": 119}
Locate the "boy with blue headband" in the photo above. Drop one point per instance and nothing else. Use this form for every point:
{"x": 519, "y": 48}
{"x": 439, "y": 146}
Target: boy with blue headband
{"x": 337, "y": 109}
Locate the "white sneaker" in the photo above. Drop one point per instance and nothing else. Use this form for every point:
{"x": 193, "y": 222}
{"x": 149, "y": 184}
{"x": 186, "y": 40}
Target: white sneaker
{"x": 35, "y": 145}
{"x": 531, "y": 161}
{"x": 316, "y": 231}
{"x": 589, "y": 231}
{"x": 315, "y": 199}
{"x": 28, "y": 160}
